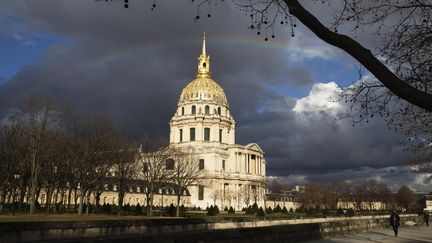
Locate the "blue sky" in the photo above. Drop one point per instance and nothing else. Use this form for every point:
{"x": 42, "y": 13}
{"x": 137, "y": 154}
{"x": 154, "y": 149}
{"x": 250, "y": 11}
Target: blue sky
{"x": 18, "y": 50}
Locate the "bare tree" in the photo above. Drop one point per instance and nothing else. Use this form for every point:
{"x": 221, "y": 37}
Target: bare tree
{"x": 152, "y": 163}
{"x": 39, "y": 116}
{"x": 94, "y": 147}
{"x": 311, "y": 196}
{"x": 124, "y": 169}
{"x": 405, "y": 197}
{"x": 216, "y": 193}
{"x": 12, "y": 160}
{"x": 186, "y": 172}
{"x": 245, "y": 194}
{"x": 275, "y": 186}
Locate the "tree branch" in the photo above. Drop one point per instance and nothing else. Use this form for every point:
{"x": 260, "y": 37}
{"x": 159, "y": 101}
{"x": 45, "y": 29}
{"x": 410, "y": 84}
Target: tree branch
{"x": 364, "y": 56}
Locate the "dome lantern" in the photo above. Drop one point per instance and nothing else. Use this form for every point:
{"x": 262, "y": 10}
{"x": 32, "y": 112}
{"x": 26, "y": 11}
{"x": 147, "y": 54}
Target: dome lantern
{"x": 203, "y": 88}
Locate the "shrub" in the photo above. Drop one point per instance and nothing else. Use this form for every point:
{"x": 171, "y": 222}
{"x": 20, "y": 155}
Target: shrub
{"x": 284, "y": 210}
{"x": 318, "y": 209}
{"x": 171, "y": 210}
{"x": 277, "y": 209}
{"x": 127, "y": 208}
{"x": 301, "y": 209}
{"x": 255, "y": 208}
{"x": 213, "y": 211}
{"x": 231, "y": 210}
{"x": 340, "y": 212}
{"x": 138, "y": 209}
{"x": 350, "y": 212}
{"x": 291, "y": 210}
{"x": 106, "y": 208}
{"x": 269, "y": 210}
{"x": 325, "y": 211}
{"x": 225, "y": 209}
{"x": 216, "y": 209}
{"x": 310, "y": 211}
{"x": 261, "y": 212}
{"x": 249, "y": 210}
{"x": 182, "y": 209}
{"x": 210, "y": 211}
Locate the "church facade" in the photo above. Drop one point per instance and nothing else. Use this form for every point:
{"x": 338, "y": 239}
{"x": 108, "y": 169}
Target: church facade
{"x": 235, "y": 173}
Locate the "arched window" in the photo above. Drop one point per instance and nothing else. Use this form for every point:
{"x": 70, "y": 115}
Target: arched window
{"x": 193, "y": 110}
{"x": 182, "y": 111}
{"x": 207, "y": 110}
{"x": 219, "y": 111}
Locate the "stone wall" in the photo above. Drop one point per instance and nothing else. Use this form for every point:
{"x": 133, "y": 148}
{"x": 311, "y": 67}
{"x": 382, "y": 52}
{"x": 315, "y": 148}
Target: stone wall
{"x": 191, "y": 230}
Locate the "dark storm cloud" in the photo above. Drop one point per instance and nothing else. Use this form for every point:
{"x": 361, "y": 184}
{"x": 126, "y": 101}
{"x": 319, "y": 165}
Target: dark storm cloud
{"x": 132, "y": 64}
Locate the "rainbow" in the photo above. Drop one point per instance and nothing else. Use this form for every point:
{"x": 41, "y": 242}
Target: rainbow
{"x": 280, "y": 44}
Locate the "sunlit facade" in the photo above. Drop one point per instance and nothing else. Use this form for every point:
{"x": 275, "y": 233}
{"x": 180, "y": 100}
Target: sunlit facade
{"x": 203, "y": 121}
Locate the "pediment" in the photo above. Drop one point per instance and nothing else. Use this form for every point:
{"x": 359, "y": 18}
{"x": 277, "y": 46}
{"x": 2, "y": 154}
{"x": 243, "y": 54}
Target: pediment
{"x": 254, "y": 146}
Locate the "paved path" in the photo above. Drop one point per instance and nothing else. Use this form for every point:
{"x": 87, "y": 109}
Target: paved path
{"x": 406, "y": 234}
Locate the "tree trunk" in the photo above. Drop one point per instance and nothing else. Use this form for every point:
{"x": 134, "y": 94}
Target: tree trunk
{"x": 23, "y": 191}
{"x": 88, "y": 203}
{"x": 33, "y": 192}
{"x": 150, "y": 204}
{"x": 76, "y": 197}
{"x": 178, "y": 205}
{"x": 120, "y": 202}
{"x": 55, "y": 200}
{"x": 48, "y": 199}
{"x": 81, "y": 201}
{"x": 33, "y": 175}
{"x": 97, "y": 200}
{"x": 399, "y": 87}
{"x": 2, "y": 200}
{"x": 69, "y": 198}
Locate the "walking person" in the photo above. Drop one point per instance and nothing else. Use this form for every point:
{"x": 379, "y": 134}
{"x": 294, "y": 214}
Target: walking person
{"x": 395, "y": 222}
{"x": 426, "y": 217}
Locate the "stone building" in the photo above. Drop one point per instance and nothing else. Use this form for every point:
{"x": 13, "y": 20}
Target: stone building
{"x": 202, "y": 120}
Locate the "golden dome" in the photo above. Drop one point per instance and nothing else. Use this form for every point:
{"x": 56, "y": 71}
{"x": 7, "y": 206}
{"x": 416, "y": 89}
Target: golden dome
{"x": 203, "y": 89}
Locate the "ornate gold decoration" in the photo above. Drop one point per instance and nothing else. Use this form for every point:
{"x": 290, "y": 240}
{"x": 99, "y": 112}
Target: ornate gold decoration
{"x": 203, "y": 88}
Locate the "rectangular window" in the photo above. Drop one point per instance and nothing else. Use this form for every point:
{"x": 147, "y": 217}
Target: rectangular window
{"x": 192, "y": 134}
{"x": 206, "y": 134}
{"x": 169, "y": 164}
{"x": 200, "y": 193}
{"x": 201, "y": 164}
{"x": 223, "y": 165}
{"x": 220, "y": 135}
{"x": 181, "y": 135}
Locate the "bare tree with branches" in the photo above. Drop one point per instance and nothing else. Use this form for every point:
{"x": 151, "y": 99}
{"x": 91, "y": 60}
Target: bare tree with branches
{"x": 152, "y": 163}
{"x": 94, "y": 146}
{"x": 186, "y": 172}
{"x": 124, "y": 169}
{"x": 40, "y": 116}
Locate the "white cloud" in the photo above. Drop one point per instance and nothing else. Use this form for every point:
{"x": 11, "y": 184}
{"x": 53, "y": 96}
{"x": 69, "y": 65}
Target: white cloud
{"x": 24, "y": 41}
{"x": 320, "y": 98}
{"x": 304, "y": 46}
